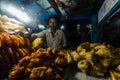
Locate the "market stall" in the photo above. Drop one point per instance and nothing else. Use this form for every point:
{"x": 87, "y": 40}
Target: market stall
{"x": 27, "y": 58}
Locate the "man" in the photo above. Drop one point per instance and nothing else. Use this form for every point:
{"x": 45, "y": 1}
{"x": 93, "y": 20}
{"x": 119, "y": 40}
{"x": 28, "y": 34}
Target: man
{"x": 53, "y": 36}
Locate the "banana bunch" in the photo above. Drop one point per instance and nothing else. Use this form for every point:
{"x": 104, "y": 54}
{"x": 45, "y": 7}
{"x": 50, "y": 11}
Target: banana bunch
{"x": 96, "y": 59}
{"x": 11, "y": 40}
{"x": 37, "y": 43}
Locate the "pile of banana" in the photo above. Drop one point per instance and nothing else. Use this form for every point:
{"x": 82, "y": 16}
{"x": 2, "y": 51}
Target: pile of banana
{"x": 12, "y": 49}
{"x": 34, "y": 62}
{"x": 43, "y": 64}
{"x": 97, "y": 59}
{"x": 38, "y": 43}
{"x": 13, "y": 40}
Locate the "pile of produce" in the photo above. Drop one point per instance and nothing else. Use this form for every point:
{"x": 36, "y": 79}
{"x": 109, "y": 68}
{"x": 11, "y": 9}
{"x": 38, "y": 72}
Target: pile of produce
{"x": 43, "y": 64}
{"x": 10, "y": 24}
{"x": 97, "y": 59}
{"x": 12, "y": 49}
{"x": 38, "y": 43}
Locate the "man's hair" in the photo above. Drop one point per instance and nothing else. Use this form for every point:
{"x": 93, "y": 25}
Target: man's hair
{"x": 56, "y": 17}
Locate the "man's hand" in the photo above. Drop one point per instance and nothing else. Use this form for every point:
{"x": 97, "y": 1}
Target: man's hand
{"x": 33, "y": 36}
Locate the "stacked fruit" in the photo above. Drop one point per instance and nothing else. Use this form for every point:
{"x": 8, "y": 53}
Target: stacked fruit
{"x": 43, "y": 64}
{"x": 97, "y": 59}
{"x": 12, "y": 49}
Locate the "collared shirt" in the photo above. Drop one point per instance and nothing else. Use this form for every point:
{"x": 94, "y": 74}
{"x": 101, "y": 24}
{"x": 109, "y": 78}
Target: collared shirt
{"x": 56, "y": 41}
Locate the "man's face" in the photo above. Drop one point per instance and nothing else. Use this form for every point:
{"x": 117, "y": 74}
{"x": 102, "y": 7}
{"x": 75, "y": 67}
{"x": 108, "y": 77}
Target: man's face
{"x": 52, "y": 23}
